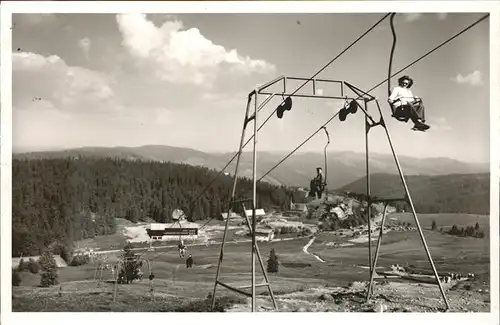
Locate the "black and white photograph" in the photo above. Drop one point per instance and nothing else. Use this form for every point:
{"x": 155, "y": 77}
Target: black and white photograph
{"x": 194, "y": 159}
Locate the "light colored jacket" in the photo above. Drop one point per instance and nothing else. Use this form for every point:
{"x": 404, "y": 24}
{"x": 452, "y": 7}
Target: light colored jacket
{"x": 404, "y": 95}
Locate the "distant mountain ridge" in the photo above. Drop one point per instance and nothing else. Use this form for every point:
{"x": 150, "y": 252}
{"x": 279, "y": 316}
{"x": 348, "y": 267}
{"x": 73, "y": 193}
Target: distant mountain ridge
{"x": 343, "y": 167}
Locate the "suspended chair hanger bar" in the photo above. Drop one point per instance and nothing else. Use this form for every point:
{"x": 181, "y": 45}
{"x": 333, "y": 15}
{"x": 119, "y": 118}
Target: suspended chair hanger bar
{"x": 263, "y": 90}
{"x": 325, "y": 181}
{"x": 313, "y": 79}
{"x": 308, "y": 96}
{"x": 269, "y": 84}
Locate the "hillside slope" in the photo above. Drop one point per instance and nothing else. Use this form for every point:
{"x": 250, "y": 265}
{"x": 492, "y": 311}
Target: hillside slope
{"x": 465, "y": 193}
{"x": 343, "y": 167}
{"x": 70, "y": 199}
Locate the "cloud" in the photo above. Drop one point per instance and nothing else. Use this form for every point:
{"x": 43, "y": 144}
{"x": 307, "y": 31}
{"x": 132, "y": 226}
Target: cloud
{"x": 84, "y": 45}
{"x": 412, "y": 16}
{"x": 474, "y": 78}
{"x": 62, "y": 87}
{"x": 182, "y": 56}
{"x": 442, "y": 15}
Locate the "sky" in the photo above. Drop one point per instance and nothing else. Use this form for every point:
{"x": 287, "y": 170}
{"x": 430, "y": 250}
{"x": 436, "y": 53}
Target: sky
{"x": 183, "y": 80}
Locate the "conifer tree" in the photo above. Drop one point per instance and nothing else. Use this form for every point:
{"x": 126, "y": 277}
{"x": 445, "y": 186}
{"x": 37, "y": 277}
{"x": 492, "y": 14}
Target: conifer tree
{"x": 273, "y": 262}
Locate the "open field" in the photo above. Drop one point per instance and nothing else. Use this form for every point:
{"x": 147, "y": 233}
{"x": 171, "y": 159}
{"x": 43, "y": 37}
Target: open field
{"x": 445, "y": 220}
{"x": 302, "y": 282}
{"x": 136, "y": 233}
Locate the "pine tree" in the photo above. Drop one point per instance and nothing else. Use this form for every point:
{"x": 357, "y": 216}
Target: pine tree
{"x": 131, "y": 264}
{"x": 16, "y": 278}
{"x": 273, "y": 262}
{"x": 434, "y": 225}
{"x": 22, "y": 266}
{"x": 49, "y": 269}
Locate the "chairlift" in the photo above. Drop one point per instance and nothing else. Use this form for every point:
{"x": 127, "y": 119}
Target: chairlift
{"x": 322, "y": 186}
{"x": 400, "y": 112}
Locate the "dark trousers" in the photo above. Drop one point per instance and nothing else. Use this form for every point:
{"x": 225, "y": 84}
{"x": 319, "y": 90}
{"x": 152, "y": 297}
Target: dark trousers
{"x": 316, "y": 189}
{"x": 418, "y": 110}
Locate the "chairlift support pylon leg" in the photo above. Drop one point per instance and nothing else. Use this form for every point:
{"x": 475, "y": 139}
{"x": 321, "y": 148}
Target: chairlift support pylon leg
{"x": 254, "y": 196}
{"x": 255, "y": 250}
{"x": 410, "y": 202}
{"x": 233, "y": 192}
{"x": 368, "y": 191}
{"x": 261, "y": 262}
{"x": 379, "y": 241}
{"x": 369, "y": 123}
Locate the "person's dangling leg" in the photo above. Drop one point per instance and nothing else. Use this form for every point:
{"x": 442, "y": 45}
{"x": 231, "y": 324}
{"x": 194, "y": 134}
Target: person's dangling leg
{"x": 416, "y": 119}
{"x": 420, "y": 110}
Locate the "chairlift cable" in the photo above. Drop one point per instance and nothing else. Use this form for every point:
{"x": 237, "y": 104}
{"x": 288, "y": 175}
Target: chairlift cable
{"x": 376, "y": 86}
{"x": 296, "y": 90}
{"x": 335, "y": 115}
{"x": 430, "y": 52}
{"x": 299, "y": 146}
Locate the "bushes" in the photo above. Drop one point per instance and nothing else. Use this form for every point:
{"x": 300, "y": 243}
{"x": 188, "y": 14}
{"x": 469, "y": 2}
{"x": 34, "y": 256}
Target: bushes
{"x": 33, "y": 266}
{"x": 16, "y": 278}
{"x": 288, "y": 230}
{"x": 205, "y": 305}
{"x": 78, "y": 260}
{"x": 306, "y": 231}
{"x": 470, "y": 231}
{"x": 22, "y": 266}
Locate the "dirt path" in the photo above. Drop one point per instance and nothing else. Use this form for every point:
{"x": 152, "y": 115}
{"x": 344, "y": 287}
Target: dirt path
{"x": 305, "y": 250}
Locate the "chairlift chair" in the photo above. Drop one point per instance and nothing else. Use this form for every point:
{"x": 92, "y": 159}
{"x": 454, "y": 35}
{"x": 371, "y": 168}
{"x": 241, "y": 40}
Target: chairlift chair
{"x": 401, "y": 112}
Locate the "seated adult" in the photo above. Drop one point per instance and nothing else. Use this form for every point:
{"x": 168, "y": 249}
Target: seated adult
{"x": 182, "y": 248}
{"x": 317, "y": 184}
{"x": 404, "y": 104}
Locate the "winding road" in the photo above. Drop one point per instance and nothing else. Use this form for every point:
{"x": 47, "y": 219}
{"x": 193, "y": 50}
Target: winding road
{"x": 304, "y": 249}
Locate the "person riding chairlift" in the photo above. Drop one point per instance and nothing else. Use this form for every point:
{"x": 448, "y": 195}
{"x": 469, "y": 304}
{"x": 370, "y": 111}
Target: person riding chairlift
{"x": 403, "y": 102}
{"x": 317, "y": 184}
{"x": 182, "y": 248}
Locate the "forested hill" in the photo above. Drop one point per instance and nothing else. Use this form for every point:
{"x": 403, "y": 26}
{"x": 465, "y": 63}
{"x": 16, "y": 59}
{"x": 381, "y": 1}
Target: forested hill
{"x": 459, "y": 193}
{"x": 67, "y": 199}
